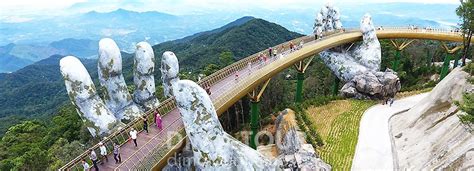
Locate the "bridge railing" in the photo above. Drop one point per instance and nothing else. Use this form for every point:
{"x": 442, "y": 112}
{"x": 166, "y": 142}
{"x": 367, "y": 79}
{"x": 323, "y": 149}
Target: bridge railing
{"x": 121, "y": 136}
{"x": 421, "y": 30}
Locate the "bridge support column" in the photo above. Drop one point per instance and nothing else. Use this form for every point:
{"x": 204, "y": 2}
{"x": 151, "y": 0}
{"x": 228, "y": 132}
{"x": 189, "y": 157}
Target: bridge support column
{"x": 255, "y": 97}
{"x": 254, "y": 123}
{"x": 447, "y": 59}
{"x": 456, "y": 61}
{"x": 299, "y": 87}
{"x": 335, "y": 86}
{"x": 398, "y": 49}
{"x": 301, "y": 68}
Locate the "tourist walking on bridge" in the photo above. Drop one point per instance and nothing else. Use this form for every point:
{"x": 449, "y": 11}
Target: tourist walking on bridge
{"x": 133, "y": 135}
{"x": 292, "y": 46}
{"x": 158, "y": 121}
{"x": 103, "y": 152}
{"x": 85, "y": 165}
{"x": 270, "y": 53}
{"x": 249, "y": 67}
{"x": 117, "y": 157}
{"x": 93, "y": 157}
{"x": 145, "y": 124}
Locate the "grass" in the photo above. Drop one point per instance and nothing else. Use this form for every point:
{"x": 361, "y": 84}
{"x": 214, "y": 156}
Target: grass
{"x": 337, "y": 123}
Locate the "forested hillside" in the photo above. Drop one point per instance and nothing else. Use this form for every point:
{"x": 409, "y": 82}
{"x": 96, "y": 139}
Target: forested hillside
{"x": 37, "y": 91}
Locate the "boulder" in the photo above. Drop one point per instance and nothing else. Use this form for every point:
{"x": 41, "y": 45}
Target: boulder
{"x": 372, "y": 85}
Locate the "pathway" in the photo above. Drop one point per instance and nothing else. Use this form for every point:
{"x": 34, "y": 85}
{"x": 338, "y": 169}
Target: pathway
{"x": 374, "y": 147}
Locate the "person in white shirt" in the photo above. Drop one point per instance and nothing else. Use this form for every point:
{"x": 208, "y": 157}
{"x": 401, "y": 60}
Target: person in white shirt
{"x": 85, "y": 165}
{"x": 133, "y": 135}
{"x": 103, "y": 151}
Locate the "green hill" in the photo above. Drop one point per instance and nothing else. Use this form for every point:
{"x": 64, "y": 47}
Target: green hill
{"x": 37, "y": 91}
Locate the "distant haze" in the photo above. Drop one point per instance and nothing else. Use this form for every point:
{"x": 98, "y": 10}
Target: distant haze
{"x": 24, "y": 10}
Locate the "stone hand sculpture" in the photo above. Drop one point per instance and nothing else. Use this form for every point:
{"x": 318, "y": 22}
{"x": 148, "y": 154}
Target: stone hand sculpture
{"x": 358, "y": 65}
{"x": 119, "y": 106}
{"x": 213, "y": 148}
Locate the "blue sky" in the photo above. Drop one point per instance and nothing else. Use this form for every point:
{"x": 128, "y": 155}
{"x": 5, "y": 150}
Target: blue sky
{"x": 25, "y": 10}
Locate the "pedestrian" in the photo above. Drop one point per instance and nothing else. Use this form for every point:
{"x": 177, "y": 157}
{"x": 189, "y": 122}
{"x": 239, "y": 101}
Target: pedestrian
{"x": 145, "y": 124}
{"x": 301, "y": 44}
{"x": 133, "y": 135}
{"x": 236, "y": 76}
{"x": 249, "y": 67}
{"x": 275, "y": 52}
{"x": 291, "y": 46}
{"x": 208, "y": 91}
{"x": 103, "y": 152}
{"x": 117, "y": 157}
{"x": 85, "y": 165}
{"x": 93, "y": 157}
{"x": 270, "y": 53}
{"x": 158, "y": 121}
{"x": 154, "y": 116}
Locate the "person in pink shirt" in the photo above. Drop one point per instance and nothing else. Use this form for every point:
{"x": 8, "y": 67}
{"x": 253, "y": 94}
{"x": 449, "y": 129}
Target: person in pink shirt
{"x": 158, "y": 121}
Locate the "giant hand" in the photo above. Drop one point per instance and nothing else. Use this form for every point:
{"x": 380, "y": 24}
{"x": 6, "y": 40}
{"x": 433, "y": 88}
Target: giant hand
{"x": 119, "y": 107}
{"x": 358, "y": 65}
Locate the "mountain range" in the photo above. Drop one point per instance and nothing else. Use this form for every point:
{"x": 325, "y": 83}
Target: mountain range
{"x": 37, "y": 90}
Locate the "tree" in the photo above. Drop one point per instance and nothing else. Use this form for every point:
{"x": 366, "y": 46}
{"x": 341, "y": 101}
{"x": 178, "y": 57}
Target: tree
{"x": 209, "y": 69}
{"x": 226, "y": 58}
{"x": 465, "y": 11}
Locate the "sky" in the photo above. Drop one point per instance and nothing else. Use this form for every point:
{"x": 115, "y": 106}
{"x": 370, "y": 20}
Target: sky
{"x": 25, "y": 10}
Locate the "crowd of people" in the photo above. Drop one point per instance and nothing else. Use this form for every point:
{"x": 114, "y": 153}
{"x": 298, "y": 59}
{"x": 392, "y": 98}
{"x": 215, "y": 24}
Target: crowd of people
{"x": 102, "y": 158}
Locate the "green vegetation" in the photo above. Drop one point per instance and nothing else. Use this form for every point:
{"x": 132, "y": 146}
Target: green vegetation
{"x": 37, "y": 145}
{"x": 465, "y": 13}
{"x": 467, "y": 104}
{"x": 337, "y": 124}
{"x": 415, "y": 68}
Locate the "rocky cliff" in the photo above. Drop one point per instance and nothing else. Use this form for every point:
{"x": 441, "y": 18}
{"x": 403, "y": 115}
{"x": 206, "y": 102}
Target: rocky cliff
{"x": 429, "y": 135}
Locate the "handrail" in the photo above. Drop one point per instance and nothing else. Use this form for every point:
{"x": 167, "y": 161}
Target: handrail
{"x": 169, "y": 104}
